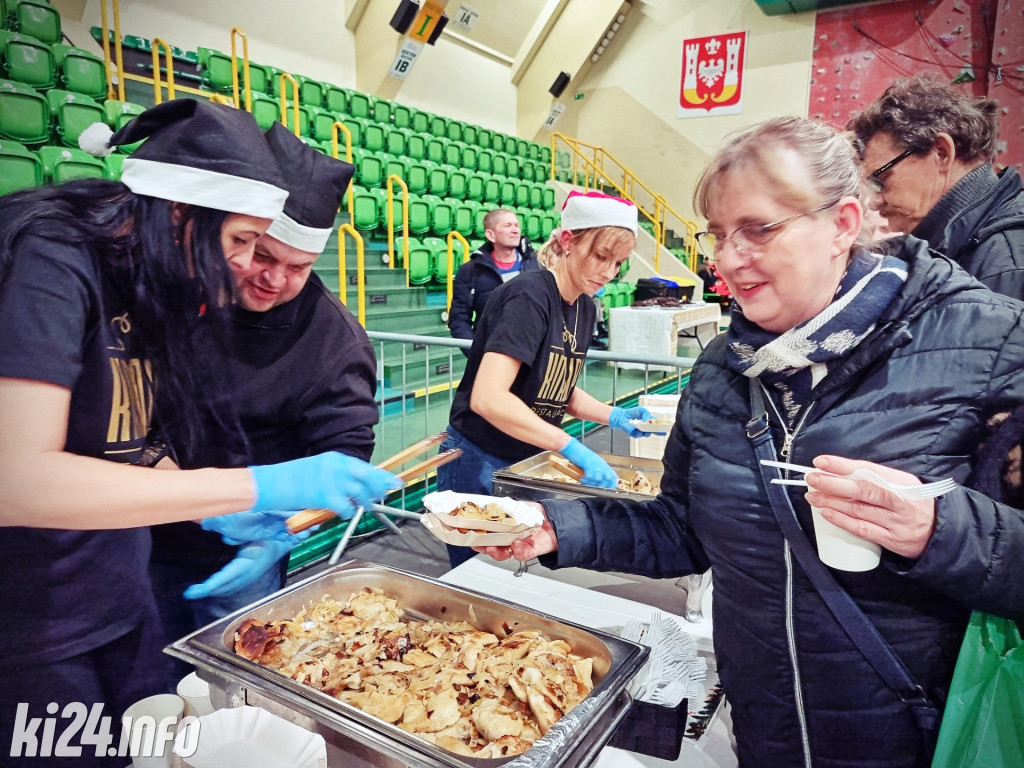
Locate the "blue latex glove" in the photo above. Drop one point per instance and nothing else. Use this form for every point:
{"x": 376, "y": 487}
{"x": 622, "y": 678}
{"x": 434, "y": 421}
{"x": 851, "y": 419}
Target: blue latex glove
{"x": 595, "y": 469}
{"x": 327, "y": 481}
{"x": 240, "y": 527}
{"x": 252, "y": 561}
{"x": 621, "y": 417}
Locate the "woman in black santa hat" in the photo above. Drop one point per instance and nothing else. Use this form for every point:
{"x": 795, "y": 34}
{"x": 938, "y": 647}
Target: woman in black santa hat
{"x": 111, "y": 298}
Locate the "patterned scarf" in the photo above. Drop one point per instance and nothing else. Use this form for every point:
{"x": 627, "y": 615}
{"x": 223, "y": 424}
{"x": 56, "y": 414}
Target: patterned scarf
{"x": 797, "y": 360}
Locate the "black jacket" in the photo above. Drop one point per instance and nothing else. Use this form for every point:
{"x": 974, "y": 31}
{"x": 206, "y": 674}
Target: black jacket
{"x": 914, "y": 395}
{"x": 473, "y": 285}
{"x": 979, "y": 224}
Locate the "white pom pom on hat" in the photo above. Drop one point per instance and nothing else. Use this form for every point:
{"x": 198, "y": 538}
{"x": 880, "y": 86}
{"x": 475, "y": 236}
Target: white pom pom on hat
{"x": 96, "y": 140}
{"x": 596, "y": 209}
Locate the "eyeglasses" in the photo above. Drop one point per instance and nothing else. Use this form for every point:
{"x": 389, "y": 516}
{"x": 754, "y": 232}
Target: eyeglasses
{"x": 874, "y": 181}
{"x": 748, "y": 238}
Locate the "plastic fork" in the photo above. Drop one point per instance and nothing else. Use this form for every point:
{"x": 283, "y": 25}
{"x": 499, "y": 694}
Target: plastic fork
{"x": 905, "y": 492}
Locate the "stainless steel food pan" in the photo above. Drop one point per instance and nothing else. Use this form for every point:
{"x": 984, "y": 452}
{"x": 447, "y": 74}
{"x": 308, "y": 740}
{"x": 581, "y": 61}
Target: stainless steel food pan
{"x": 534, "y": 479}
{"x": 356, "y": 738}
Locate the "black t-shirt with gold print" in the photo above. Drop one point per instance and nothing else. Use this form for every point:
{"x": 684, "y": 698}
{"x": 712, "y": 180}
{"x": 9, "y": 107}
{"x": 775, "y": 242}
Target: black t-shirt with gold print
{"x": 528, "y": 320}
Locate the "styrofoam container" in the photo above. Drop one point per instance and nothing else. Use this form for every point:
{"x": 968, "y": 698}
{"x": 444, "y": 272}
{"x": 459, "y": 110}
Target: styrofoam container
{"x": 248, "y": 737}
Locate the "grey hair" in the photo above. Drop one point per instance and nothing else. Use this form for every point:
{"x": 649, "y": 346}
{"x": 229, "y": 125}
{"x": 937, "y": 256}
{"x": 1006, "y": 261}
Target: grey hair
{"x": 829, "y": 156}
{"x": 914, "y": 110}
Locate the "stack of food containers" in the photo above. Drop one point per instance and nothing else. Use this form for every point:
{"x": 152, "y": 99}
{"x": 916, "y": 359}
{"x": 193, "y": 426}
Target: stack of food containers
{"x": 662, "y": 407}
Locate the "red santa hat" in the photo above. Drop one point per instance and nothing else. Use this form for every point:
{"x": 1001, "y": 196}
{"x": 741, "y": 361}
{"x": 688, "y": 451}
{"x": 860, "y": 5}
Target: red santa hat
{"x": 596, "y": 209}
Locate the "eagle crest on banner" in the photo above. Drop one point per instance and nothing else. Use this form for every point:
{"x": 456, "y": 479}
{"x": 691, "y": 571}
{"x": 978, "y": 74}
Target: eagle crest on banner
{"x": 712, "y": 75}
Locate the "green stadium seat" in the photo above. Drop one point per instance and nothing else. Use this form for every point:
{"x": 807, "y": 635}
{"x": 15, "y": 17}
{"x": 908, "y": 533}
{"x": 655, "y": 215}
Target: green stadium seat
{"x": 381, "y": 193}
{"x": 469, "y": 134}
{"x": 374, "y": 135}
{"x": 24, "y": 114}
{"x": 523, "y": 194}
{"x": 437, "y": 248}
{"x": 549, "y": 198}
{"x": 380, "y": 110}
{"x": 442, "y": 219}
{"x": 80, "y": 71}
{"x": 416, "y": 145}
{"x": 420, "y": 267}
{"x": 458, "y": 182}
{"x": 37, "y": 18}
{"x": 484, "y": 137}
{"x": 531, "y": 225}
{"x": 421, "y": 209}
{"x": 28, "y": 60}
{"x": 499, "y": 163}
{"x": 369, "y": 168}
{"x": 215, "y": 70}
{"x": 533, "y": 150}
{"x": 536, "y": 195}
{"x": 321, "y": 123}
{"x": 478, "y": 221}
{"x": 357, "y": 127}
{"x": 20, "y": 168}
{"x": 259, "y": 77}
{"x": 62, "y": 164}
{"x": 455, "y": 130}
{"x": 492, "y": 189}
{"x": 485, "y": 160}
{"x": 71, "y": 113}
{"x": 475, "y": 185}
{"x": 396, "y": 141}
{"x": 420, "y": 121}
{"x": 436, "y": 149}
{"x": 523, "y": 148}
{"x": 453, "y": 153}
{"x": 323, "y": 147}
{"x": 437, "y": 180}
{"x": 305, "y": 118}
{"x": 512, "y": 166}
{"x": 366, "y": 212}
{"x": 545, "y": 154}
{"x": 336, "y": 99}
{"x": 465, "y": 217}
{"x": 401, "y": 116}
{"x": 468, "y": 159}
{"x": 511, "y": 146}
{"x": 117, "y": 114}
{"x": 265, "y": 109}
{"x": 311, "y": 92}
{"x": 396, "y": 166}
{"x": 112, "y": 165}
{"x": 417, "y": 176}
{"x": 358, "y": 104}
{"x": 439, "y": 125}
{"x": 548, "y": 222}
{"x": 507, "y": 193}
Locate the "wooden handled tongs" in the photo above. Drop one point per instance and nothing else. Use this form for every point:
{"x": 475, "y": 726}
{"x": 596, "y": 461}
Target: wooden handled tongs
{"x": 565, "y": 466}
{"x": 307, "y": 518}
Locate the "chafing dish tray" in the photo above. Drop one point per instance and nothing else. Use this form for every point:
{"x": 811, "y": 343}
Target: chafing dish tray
{"x": 356, "y": 738}
{"x": 534, "y": 479}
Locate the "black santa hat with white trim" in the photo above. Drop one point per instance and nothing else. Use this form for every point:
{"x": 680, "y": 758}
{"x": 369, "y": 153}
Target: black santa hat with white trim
{"x": 199, "y": 153}
{"x": 316, "y": 184}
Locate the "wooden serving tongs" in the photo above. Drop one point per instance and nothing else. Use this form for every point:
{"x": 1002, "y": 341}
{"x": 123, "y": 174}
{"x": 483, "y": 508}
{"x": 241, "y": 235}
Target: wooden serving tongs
{"x": 307, "y": 518}
{"x": 565, "y": 466}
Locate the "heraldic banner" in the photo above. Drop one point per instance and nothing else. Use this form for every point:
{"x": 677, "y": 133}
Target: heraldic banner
{"x": 712, "y": 75}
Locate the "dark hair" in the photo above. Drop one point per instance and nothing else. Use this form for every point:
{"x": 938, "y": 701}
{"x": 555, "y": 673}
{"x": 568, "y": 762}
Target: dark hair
{"x": 174, "y": 277}
{"x": 914, "y": 110}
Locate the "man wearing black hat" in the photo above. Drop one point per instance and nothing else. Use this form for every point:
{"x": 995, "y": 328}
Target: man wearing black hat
{"x": 304, "y": 376}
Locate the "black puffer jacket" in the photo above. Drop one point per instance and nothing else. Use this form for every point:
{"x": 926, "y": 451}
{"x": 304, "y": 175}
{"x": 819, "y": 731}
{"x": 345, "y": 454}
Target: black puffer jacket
{"x": 473, "y": 285}
{"x": 913, "y": 395}
{"x": 979, "y": 224}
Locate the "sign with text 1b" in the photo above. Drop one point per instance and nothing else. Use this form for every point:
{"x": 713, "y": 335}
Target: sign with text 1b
{"x": 404, "y": 60}
{"x": 712, "y": 75}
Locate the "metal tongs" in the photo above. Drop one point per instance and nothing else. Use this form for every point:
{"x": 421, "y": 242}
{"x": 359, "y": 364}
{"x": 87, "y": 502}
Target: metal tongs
{"x": 307, "y": 518}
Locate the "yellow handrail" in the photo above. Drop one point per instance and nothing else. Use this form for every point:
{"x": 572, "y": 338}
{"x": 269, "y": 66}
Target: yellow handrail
{"x": 452, "y": 236}
{"x": 594, "y": 175}
{"x": 245, "y": 66}
{"x": 158, "y": 96}
{"x": 360, "y": 270}
{"x": 285, "y": 79}
{"x": 339, "y": 126}
{"x": 107, "y": 63}
{"x": 405, "y": 224}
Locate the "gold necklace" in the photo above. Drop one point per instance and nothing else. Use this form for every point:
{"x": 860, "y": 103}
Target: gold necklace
{"x": 567, "y": 337}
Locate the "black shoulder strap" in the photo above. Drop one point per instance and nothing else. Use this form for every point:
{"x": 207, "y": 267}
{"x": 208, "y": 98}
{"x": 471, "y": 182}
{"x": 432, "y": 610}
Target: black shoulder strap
{"x": 861, "y": 631}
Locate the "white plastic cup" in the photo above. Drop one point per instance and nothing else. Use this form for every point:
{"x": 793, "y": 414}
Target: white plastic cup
{"x": 196, "y": 693}
{"x": 838, "y": 548}
{"x": 151, "y": 729}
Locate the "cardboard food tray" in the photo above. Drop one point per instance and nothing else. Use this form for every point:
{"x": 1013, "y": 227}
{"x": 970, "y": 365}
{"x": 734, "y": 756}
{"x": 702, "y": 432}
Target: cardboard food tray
{"x": 583, "y": 731}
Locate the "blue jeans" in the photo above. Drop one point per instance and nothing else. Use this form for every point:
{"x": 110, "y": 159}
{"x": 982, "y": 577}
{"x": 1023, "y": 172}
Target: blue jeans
{"x": 472, "y": 472}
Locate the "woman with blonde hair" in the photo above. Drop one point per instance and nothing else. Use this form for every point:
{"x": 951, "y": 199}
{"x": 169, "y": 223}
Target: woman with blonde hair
{"x": 844, "y": 359}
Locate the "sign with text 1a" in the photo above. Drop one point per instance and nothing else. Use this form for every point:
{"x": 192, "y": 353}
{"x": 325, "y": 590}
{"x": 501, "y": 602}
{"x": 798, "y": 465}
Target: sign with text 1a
{"x": 405, "y": 59}
{"x": 465, "y": 17}
{"x": 712, "y": 75}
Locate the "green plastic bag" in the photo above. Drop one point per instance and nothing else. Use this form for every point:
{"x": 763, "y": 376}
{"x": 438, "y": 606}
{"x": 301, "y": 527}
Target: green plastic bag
{"x": 983, "y": 725}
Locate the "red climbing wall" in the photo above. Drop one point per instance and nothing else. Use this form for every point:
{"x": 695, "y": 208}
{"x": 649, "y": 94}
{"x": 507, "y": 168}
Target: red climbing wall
{"x": 858, "y": 52}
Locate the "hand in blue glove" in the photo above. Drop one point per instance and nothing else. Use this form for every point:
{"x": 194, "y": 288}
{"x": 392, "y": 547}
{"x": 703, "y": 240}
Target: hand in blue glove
{"x": 327, "y": 481}
{"x": 240, "y": 527}
{"x": 621, "y": 417}
{"x": 595, "y": 469}
{"x": 252, "y": 561}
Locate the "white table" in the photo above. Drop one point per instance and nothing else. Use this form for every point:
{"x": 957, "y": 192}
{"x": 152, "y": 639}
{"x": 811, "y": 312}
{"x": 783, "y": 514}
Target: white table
{"x": 599, "y": 610}
{"x": 655, "y": 331}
